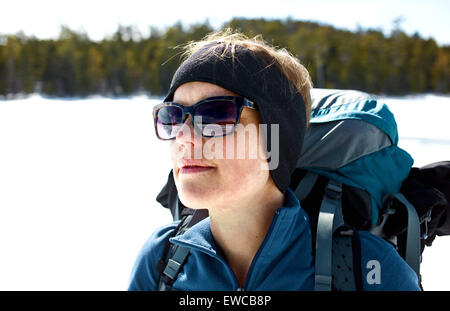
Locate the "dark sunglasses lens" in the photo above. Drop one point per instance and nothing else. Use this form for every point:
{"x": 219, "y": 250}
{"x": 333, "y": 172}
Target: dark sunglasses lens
{"x": 168, "y": 121}
{"x": 216, "y": 118}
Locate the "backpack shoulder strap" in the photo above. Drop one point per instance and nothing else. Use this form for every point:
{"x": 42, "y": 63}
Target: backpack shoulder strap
{"x": 346, "y": 261}
{"x": 174, "y": 256}
{"x": 327, "y": 223}
{"x": 413, "y": 249}
{"x": 337, "y": 249}
{"x": 305, "y": 185}
{"x": 169, "y": 264}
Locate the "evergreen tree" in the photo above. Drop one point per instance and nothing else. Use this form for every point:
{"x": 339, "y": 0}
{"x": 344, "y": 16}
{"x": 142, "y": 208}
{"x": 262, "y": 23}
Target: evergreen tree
{"x": 126, "y": 62}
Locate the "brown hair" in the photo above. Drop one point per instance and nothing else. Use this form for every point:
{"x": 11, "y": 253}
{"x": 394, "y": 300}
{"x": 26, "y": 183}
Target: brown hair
{"x": 288, "y": 64}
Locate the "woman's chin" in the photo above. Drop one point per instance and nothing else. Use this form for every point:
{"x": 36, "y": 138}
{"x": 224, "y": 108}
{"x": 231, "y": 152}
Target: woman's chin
{"x": 194, "y": 201}
{"x": 196, "y": 197}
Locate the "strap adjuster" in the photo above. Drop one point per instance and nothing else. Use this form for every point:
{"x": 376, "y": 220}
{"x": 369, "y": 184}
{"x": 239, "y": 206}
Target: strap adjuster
{"x": 323, "y": 282}
{"x": 172, "y": 268}
{"x": 333, "y": 190}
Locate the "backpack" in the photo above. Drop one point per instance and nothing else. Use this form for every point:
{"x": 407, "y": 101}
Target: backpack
{"x": 350, "y": 176}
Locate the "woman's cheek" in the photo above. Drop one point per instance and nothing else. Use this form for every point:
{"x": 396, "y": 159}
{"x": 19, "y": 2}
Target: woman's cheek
{"x": 241, "y": 175}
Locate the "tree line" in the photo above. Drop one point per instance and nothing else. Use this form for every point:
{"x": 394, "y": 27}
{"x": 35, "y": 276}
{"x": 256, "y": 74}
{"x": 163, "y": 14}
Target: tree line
{"x": 127, "y": 62}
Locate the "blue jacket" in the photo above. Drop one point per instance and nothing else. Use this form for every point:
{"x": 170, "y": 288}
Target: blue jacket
{"x": 284, "y": 260}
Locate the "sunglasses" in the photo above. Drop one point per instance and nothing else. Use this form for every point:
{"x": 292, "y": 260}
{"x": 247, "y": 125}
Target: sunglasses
{"x": 212, "y": 117}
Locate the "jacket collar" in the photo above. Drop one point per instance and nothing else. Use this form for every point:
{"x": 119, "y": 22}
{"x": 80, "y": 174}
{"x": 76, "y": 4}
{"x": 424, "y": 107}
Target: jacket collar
{"x": 287, "y": 217}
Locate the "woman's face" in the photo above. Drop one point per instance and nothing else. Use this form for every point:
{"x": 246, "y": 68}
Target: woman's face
{"x": 227, "y": 181}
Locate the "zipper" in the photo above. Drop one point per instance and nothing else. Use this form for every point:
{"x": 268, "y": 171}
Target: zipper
{"x": 223, "y": 261}
{"x": 252, "y": 265}
{"x": 261, "y": 247}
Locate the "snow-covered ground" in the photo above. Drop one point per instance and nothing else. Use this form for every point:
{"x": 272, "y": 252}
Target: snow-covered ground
{"x": 79, "y": 178}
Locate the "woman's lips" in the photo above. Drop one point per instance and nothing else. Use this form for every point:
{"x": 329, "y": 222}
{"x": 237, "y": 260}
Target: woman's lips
{"x": 193, "y": 166}
{"x": 195, "y": 169}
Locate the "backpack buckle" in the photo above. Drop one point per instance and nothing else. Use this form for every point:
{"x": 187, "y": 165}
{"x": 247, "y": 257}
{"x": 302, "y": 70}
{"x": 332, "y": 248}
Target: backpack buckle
{"x": 333, "y": 190}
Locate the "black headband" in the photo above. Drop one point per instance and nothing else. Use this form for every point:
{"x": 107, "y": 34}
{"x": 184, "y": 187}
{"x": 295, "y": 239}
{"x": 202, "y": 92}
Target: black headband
{"x": 252, "y": 76}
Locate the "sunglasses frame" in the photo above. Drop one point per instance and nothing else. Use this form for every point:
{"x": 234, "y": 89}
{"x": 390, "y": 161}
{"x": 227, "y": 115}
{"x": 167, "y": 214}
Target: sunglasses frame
{"x": 239, "y": 102}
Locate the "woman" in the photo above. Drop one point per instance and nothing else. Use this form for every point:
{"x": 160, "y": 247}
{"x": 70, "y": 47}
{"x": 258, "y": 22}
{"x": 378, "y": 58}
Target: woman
{"x": 257, "y": 236}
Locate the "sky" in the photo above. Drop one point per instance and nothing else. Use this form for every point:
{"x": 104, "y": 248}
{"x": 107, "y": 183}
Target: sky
{"x": 100, "y": 18}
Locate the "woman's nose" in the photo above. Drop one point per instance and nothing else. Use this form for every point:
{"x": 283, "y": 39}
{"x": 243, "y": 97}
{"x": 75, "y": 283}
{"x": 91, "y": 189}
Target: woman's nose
{"x": 186, "y": 134}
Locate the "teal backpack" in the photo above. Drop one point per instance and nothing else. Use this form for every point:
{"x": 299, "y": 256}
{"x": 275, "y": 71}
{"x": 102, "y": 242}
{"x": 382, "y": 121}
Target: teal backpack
{"x": 352, "y": 145}
{"x": 350, "y": 176}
